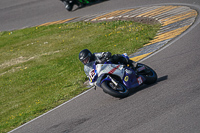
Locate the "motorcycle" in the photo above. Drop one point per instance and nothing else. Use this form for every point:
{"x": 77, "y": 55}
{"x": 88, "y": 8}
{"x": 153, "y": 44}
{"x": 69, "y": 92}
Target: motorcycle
{"x": 117, "y": 79}
{"x": 69, "y": 4}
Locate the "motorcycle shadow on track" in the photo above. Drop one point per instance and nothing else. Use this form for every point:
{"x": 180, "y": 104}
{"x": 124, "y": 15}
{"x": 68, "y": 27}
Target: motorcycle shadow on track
{"x": 90, "y": 4}
{"x": 133, "y": 91}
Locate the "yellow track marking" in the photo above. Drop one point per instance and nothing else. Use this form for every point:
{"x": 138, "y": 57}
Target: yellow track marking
{"x": 178, "y": 17}
{"x": 56, "y": 22}
{"x": 137, "y": 58}
{"x": 168, "y": 35}
{"x": 112, "y": 14}
{"x": 157, "y": 11}
{"x": 150, "y": 12}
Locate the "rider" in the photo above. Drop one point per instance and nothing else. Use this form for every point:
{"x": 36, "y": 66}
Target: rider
{"x": 88, "y": 59}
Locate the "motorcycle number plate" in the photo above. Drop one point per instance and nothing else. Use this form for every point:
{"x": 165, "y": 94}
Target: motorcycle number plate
{"x": 139, "y": 80}
{"x": 91, "y": 75}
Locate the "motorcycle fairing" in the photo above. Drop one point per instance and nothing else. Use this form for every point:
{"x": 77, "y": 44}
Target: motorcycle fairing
{"x": 130, "y": 79}
{"x": 103, "y": 69}
{"x": 127, "y": 75}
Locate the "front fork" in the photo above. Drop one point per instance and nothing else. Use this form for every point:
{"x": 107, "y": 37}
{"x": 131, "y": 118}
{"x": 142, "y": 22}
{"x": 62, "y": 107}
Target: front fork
{"x": 114, "y": 82}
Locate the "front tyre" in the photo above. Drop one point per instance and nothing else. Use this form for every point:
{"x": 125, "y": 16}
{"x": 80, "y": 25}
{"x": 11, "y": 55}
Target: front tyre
{"x": 68, "y": 7}
{"x": 119, "y": 91}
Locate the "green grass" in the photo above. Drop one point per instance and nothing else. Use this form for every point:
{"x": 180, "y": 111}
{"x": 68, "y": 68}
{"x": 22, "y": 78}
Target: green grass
{"x": 39, "y": 66}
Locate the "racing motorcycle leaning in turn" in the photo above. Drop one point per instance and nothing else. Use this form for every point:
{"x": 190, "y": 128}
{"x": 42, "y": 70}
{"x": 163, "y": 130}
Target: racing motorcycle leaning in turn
{"x": 117, "y": 79}
{"x": 69, "y": 4}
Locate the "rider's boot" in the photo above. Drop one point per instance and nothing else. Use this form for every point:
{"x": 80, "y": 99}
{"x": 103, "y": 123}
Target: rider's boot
{"x": 132, "y": 64}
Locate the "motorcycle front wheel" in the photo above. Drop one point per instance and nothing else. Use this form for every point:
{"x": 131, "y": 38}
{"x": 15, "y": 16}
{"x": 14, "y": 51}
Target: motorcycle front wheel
{"x": 119, "y": 91}
{"x": 69, "y": 6}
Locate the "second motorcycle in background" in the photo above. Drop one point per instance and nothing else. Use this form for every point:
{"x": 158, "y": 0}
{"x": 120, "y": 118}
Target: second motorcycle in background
{"x": 69, "y": 4}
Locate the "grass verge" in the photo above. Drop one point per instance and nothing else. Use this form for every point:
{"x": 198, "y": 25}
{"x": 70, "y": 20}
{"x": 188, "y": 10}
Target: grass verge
{"x": 39, "y": 66}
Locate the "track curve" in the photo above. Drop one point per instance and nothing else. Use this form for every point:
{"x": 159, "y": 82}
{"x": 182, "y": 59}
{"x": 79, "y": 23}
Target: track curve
{"x": 171, "y": 105}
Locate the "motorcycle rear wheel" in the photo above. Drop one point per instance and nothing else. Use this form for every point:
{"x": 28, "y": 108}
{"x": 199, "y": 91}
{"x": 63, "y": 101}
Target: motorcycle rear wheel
{"x": 119, "y": 91}
{"x": 151, "y": 76}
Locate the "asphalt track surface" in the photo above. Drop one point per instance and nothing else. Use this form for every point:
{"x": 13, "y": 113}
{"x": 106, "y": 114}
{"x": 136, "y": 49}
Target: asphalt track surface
{"x": 170, "y": 106}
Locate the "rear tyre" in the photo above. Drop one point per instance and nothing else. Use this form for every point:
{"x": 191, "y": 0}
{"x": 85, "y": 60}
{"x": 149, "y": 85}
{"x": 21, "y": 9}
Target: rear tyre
{"x": 119, "y": 91}
{"x": 148, "y": 73}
